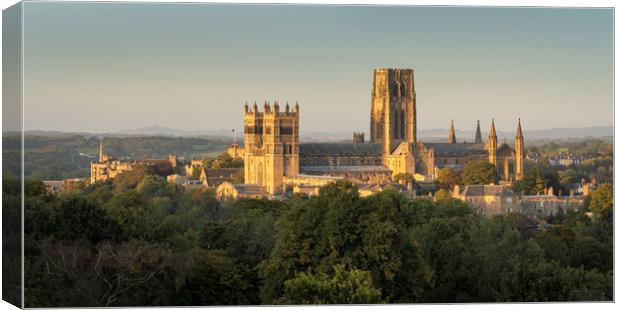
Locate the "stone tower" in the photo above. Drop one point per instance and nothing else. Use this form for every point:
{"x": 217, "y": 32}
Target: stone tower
{"x": 452, "y": 136}
{"x": 478, "y": 134}
{"x": 271, "y": 143}
{"x": 519, "y": 153}
{"x": 492, "y": 144}
{"x": 358, "y": 137}
{"x": 392, "y": 112}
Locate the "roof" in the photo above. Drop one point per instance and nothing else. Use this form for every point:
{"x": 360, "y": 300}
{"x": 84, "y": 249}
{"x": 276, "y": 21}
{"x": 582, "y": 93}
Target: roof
{"x": 315, "y": 177}
{"x": 383, "y": 186}
{"x": 221, "y": 172}
{"x": 249, "y": 188}
{"x": 486, "y": 190}
{"x": 352, "y": 169}
{"x": 54, "y": 183}
{"x": 318, "y": 149}
{"x": 444, "y": 149}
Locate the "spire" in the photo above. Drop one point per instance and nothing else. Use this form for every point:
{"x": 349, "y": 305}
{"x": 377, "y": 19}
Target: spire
{"x": 492, "y": 144}
{"x": 492, "y": 133}
{"x": 478, "y": 134}
{"x": 101, "y": 150}
{"x": 519, "y": 132}
{"x": 452, "y": 137}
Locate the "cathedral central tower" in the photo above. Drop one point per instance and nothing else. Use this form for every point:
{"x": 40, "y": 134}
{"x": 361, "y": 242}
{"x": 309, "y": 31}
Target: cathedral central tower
{"x": 393, "y": 111}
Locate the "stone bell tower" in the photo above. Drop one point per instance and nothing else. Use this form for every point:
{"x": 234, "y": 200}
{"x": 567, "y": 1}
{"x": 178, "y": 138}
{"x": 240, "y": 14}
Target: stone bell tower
{"x": 271, "y": 143}
{"x": 393, "y": 110}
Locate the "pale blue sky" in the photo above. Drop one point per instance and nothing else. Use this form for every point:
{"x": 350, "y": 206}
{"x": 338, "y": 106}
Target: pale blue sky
{"x": 112, "y": 66}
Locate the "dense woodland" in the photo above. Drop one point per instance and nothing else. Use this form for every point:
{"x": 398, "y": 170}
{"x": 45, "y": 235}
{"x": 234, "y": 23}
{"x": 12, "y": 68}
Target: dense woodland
{"x": 138, "y": 241}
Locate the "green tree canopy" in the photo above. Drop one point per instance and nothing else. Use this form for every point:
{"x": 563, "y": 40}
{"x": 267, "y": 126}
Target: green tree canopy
{"x": 339, "y": 227}
{"x": 448, "y": 177}
{"x": 479, "y": 172}
{"x": 343, "y": 287}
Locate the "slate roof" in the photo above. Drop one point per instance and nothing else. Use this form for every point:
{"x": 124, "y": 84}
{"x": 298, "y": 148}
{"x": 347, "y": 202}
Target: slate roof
{"x": 487, "y": 190}
{"x": 325, "y": 169}
{"x": 446, "y": 149}
{"x": 222, "y": 172}
{"x": 317, "y": 149}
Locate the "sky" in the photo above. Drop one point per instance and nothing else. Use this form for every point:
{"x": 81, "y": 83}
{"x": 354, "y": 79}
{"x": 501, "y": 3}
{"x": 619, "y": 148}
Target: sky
{"x": 105, "y": 67}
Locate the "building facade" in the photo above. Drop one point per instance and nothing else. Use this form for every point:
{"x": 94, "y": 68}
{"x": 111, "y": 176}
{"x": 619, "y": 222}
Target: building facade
{"x": 273, "y": 153}
{"x": 508, "y": 159}
{"x": 107, "y": 167}
{"x": 271, "y": 145}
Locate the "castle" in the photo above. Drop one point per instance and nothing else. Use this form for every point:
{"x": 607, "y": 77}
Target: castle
{"x": 275, "y": 160}
{"x": 108, "y": 167}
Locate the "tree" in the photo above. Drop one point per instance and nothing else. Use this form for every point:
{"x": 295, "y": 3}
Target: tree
{"x": 103, "y": 276}
{"x": 443, "y": 195}
{"x": 136, "y": 216}
{"x": 216, "y": 279}
{"x": 130, "y": 179}
{"x": 338, "y": 227}
{"x": 479, "y": 172}
{"x": 533, "y": 182}
{"x": 601, "y": 200}
{"x": 345, "y": 286}
{"x": 447, "y": 178}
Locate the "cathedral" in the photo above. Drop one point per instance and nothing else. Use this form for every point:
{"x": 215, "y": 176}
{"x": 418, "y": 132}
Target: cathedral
{"x": 275, "y": 160}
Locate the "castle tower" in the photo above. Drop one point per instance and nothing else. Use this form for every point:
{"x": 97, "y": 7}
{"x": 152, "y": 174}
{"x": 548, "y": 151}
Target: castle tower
{"x": 452, "y": 136}
{"x": 271, "y": 143}
{"x": 519, "y": 153}
{"x": 392, "y": 112}
{"x": 492, "y": 145}
{"x": 478, "y": 134}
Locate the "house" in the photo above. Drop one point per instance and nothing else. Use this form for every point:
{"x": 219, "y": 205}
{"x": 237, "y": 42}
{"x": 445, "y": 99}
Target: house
{"x": 488, "y": 200}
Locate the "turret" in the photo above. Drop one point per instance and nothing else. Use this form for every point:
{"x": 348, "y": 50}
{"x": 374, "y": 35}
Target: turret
{"x": 245, "y": 107}
{"x": 452, "y": 136}
{"x": 519, "y": 153}
{"x": 296, "y": 107}
{"x": 478, "y": 134}
{"x": 287, "y": 108}
{"x": 492, "y": 145}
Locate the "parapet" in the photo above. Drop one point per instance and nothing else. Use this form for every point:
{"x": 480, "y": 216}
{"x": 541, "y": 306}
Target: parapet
{"x": 271, "y": 109}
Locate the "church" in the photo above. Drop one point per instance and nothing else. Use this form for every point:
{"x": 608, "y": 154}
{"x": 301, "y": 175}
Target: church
{"x": 275, "y": 160}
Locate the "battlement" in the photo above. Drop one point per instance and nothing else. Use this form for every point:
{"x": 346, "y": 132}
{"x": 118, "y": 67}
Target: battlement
{"x": 272, "y": 109}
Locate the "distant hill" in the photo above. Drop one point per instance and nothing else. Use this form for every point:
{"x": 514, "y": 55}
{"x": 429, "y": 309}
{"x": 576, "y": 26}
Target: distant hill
{"x": 170, "y": 132}
{"x": 433, "y": 135}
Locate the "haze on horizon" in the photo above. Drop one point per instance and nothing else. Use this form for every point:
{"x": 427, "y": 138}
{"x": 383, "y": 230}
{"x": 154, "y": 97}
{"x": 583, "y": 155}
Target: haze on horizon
{"x": 106, "y": 67}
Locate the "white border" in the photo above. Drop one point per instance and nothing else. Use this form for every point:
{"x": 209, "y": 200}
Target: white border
{"x": 507, "y": 3}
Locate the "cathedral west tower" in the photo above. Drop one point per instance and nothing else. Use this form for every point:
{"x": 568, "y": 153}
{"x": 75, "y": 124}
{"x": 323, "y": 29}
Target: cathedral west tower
{"x": 393, "y": 112}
